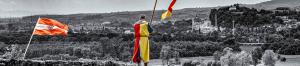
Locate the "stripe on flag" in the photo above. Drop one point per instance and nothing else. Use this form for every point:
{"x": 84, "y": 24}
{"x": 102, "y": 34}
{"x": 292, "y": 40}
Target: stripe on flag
{"x": 47, "y": 26}
{"x": 168, "y": 13}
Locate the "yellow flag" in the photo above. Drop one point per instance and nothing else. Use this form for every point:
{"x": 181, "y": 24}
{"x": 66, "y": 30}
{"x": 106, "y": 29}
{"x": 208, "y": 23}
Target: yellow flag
{"x": 165, "y": 15}
{"x": 168, "y": 13}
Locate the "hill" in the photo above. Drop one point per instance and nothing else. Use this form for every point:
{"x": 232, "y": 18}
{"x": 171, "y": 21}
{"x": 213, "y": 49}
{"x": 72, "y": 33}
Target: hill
{"x": 132, "y": 16}
{"x": 123, "y": 16}
{"x": 275, "y": 3}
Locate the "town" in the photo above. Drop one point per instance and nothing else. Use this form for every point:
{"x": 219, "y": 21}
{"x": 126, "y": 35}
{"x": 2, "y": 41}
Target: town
{"x": 192, "y": 37}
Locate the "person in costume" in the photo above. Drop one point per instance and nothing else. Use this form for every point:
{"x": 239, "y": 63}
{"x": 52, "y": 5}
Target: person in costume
{"x": 142, "y": 32}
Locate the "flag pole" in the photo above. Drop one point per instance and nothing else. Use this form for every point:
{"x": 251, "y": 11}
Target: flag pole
{"x": 30, "y": 40}
{"x": 153, "y": 12}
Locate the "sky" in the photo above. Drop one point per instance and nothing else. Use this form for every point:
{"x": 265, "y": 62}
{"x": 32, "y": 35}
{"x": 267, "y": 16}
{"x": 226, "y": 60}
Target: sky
{"x": 19, "y": 8}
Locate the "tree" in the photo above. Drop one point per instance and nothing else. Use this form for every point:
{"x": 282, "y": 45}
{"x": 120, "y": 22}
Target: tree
{"x": 256, "y": 55}
{"x": 269, "y": 58}
{"x": 232, "y": 44}
{"x": 14, "y": 52}
{"x": 243, "y": 59}
{"x": 228, "y": 58}
{"x": 12, "y": 27}
{"x": 235, "y": 59}
{"x": 217, "y": 55}
{"x": 165, "y": 54}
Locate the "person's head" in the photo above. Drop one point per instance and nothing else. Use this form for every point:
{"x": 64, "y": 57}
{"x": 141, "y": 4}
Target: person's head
{"x": 142, "y": 17}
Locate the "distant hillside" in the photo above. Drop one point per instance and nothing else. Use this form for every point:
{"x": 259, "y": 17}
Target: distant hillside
{"x": 132, "y": 16}
{"x": 298, "y": 8}
{"x": 123, "y": 16}
{"x": 275, "y": 3}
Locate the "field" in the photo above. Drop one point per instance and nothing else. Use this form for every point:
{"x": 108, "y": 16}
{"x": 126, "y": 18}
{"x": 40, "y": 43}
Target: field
{"x": 206, "y": 58}
{"x": 292, "y": 60}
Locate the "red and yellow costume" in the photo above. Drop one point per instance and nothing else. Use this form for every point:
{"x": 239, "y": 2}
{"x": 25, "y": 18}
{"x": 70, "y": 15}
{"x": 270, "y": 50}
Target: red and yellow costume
{"x": 141, "y": 42}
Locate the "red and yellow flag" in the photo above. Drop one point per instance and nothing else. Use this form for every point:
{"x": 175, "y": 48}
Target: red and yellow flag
{"x": 47, "y": 26}
{"x": 168, "y": 13}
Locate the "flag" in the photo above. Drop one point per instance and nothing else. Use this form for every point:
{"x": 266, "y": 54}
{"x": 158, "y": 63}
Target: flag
{"x": 168, "y": 13}
{"x": 47, "y": 26}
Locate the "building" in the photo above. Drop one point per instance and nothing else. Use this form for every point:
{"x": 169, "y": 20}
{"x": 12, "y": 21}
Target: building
{"x": 204, "y": 26}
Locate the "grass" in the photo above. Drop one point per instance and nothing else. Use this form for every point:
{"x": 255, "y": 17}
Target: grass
{"x": 292, "y": 60}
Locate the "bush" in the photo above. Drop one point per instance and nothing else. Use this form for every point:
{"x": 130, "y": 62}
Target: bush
{"x": 214, "y": 63}
{"x": 110, "y": 63}
{"x": 283, "y": 59}
{"x": 57, "y": 57}
{"x": 188, "y": 63}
